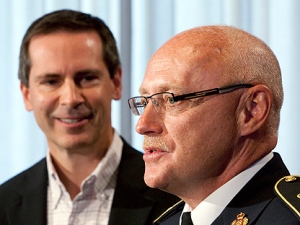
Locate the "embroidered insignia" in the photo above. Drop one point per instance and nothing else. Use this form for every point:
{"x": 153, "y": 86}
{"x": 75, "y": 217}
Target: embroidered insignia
{"x": 287, "y": 188}
{"x": 290, "y": 178}
{"x": 241, "y": 219}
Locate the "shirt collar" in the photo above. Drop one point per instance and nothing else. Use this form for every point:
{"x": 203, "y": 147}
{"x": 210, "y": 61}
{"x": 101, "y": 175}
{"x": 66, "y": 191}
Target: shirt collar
{"x": 211, "y": 207}
{"x": 104, "y": 174}
{"x": 107, "y": 168}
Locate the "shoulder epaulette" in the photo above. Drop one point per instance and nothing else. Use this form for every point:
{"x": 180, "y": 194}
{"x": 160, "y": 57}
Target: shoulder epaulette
{"x": 288, "y": 189}
{"x": 169, "y": 212}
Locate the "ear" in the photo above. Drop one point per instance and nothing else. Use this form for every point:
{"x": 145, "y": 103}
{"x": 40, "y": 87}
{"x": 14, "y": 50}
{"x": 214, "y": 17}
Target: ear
{"x": 26, "y": 96}
{"x": 117, "y": 84}
{"x": 255, "y": 109}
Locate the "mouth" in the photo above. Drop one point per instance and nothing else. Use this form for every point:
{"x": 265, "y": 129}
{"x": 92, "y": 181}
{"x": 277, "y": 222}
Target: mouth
{"x": 152, "y": 153}
{"x": 154, "y": 150}
{"x": 72, "y": 121}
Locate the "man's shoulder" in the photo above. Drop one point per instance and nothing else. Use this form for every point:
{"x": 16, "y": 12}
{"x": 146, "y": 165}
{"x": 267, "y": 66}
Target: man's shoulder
{"x": 25, "y": 177}
{"x": 288, "y": 190}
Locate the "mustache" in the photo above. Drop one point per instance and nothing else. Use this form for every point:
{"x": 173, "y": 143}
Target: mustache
{"x": 155, "y": 142}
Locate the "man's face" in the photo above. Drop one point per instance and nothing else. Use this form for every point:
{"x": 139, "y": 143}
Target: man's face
{"x": 191, "y": 145}
{"x": 70, "y": 90}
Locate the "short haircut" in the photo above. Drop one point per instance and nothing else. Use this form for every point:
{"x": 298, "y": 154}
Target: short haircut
{"x": 70, "y": 21}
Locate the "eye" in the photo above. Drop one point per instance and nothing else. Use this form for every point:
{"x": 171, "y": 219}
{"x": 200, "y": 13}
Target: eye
{"x": 141, "y": 103}
{"x": 87, "y": 80}
{"x": 168, "y": 99}
{"x": 50, "y": 81}
{"x": 171, "y": 100}
{"x": 174, "y": 107}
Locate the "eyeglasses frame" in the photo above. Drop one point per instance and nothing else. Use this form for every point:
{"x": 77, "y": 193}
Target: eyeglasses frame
{"x": 198, "y": 94}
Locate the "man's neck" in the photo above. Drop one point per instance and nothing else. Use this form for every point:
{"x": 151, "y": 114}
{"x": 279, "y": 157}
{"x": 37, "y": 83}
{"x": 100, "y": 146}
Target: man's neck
{"x": 72, "y": 170}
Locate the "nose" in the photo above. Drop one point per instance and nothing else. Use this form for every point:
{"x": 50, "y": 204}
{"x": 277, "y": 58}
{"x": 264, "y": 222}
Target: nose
{"x": 71, "y": 94}
{"x": 150, "y": 121}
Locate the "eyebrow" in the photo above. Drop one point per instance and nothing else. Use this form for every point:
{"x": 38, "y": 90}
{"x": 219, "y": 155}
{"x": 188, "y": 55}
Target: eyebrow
{"x": 45, "y": 75}
{"x": 88, "y": 71}
{"x": 78, "y": 73}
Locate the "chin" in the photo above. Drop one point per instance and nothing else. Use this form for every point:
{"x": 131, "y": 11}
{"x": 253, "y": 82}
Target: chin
{"x": 75, "y": 145}
{"x": 154, "y": 181}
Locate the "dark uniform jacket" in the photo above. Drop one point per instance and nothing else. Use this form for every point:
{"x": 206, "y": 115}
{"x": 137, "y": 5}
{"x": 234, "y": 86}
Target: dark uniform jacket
{"x": 288, "y": 189}
{"x": 256, "y": 203}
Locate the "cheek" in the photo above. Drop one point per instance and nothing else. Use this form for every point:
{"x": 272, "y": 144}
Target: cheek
{"x": 42, "y": 107}
{"x": 99, "y": 101}
{"x": 99, "y": 98}
{"x": 201, "y": 147}
{"x": 185, "y": 134}
{"x": 41, "y": 103}
{"x": 204, "y": 134}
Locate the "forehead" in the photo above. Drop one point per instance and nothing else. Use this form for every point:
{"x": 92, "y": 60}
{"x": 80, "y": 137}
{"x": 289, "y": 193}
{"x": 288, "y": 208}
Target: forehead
{"x": 185, "y": 68}
{"x": 66, "y": 53}
{"x": 65, "y": 45}
{"x": 160, "y": 74}
{"x": 63, "y": 39}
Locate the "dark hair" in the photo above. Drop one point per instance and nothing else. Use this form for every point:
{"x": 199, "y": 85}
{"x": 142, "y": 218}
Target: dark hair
{"x": 71, "y": 21}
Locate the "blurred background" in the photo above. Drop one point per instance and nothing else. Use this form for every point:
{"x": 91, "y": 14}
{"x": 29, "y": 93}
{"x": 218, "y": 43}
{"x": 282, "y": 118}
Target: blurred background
{"x": 140, "y": 27}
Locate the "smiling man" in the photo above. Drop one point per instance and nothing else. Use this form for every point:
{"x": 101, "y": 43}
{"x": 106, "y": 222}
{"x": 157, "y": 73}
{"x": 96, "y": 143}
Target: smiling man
{"x": 70, "y": 72}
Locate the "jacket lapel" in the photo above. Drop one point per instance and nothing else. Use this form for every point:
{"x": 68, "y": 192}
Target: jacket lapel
{"x": 233, "y": 214}
{"x": 256, "y": 195}
{"x": 30, "y": 201}
{"x": 130, "y": 204}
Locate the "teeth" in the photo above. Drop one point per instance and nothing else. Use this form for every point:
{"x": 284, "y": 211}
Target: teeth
{"x": 70, "y": 121}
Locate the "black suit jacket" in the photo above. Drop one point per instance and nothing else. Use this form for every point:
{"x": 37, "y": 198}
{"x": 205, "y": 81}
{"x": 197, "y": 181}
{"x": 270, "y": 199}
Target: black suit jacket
{"x": 256, "y": 199}
{"x": 23, "y": 199}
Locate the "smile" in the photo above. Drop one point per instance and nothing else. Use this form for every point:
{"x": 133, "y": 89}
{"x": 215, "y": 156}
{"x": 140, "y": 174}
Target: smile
{"x": 71, "y": 121}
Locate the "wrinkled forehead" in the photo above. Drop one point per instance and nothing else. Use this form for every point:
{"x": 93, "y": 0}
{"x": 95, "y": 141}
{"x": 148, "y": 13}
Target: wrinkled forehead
{"x": 188, "y": 67}
{"x": 162, "y": 66}
{"x": 163, "y": 74}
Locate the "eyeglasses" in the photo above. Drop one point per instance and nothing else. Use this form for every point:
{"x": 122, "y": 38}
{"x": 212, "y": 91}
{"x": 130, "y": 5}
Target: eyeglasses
{"x": 167, "y": 101}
